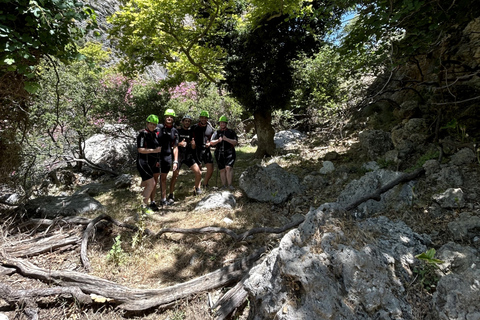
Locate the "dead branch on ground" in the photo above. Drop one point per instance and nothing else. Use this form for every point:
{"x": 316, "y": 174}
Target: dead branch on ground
{"x": 127, "y": 299}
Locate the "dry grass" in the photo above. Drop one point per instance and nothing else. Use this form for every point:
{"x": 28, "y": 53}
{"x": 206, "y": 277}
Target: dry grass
{"x": 157, "y": 263}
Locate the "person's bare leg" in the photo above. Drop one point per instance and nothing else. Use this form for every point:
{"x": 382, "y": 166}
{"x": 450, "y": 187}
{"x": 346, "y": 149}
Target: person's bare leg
{"x": 148, "y": 186}
{"x": 209, "y": 173}
{"x": 154, "y": 190}
{"x": 198, "y": 175}
{"x": 174, "y": 180}
{"x": 163, "y": 185}
{"x": 229, "y": 175}
{"x": 223, "y": 178}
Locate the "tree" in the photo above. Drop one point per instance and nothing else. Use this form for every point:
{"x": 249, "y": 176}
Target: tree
{"x": 259, "y": 70}
{"x": 246, "y": 45}
{"x": 30, "y": 30}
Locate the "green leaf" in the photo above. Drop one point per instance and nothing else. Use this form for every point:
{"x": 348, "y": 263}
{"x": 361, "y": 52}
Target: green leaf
{"x": 32, "y": 87}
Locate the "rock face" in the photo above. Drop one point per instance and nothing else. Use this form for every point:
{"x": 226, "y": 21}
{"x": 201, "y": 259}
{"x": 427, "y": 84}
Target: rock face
{"x": 332, "y": 274}
{"x": 51, "y": 207}
{"x": 269, "y": 184}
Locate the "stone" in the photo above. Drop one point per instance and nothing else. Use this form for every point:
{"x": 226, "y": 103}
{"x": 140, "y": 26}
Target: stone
{"x": 220, "y": 199}
{"x": 269, "y": 184}
{"x": 288, "y": 138}
{"x": 463, "y": 157}
{"x": 327, "y": 167}
{"x": 375, "y": 143}
{"x": 451, "y": 198}
{"x": 111, "y": 149}
{"x": 51, "y": 207}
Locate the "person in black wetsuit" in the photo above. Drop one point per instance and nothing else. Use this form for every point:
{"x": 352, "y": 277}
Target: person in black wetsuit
{"x": 225, "y": 141}
{"x": 168, "y": 141}
{"x": 148, "y": 162}
{"x": 202, "y": 133}
{"x": 186, "y": 154}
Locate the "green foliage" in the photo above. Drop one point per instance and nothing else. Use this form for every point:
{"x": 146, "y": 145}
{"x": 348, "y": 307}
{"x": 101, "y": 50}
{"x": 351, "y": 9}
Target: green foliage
{"x": 192, "y": 98}
{"x": 403, "y": 28}
{"x": 31, "y": 29}
{"x": 116, "y": 255}
{"x": 427, "y": 271}
{"x": 171, "y": 32}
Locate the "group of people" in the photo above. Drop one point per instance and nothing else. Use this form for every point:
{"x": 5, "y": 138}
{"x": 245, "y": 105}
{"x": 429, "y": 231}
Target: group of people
{"x": 164, "y": 147}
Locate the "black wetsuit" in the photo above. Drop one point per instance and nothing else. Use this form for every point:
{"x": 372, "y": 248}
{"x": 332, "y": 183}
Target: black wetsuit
{"x": 147, "y": 164}
{"x": 167, "y": 139}
{"x": 186, "y": 154}
{"x": 202, "y": 135}
{"x": 224, "y": 151}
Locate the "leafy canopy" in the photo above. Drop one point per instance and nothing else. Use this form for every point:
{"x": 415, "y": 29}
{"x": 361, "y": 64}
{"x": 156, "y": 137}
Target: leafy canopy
{"x": 30, "y": 29}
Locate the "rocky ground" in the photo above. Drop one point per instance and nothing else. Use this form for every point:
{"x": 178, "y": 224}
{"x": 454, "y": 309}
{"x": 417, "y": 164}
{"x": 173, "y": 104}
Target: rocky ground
{"x": 176, "y": 258}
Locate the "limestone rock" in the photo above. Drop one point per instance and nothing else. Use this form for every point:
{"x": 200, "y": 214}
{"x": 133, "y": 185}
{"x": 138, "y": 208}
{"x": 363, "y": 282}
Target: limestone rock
{"x": 269, "y": 184}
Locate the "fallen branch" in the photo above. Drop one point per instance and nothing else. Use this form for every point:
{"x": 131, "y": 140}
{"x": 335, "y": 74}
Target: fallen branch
{"x": 136, "y": 299}
{"x": 230, "y": 301}
{"x": 377, "y": 194}
{"x": 232, "y": 234}
{"x": 39, "y": 245}
{"x": 13, "y": 295}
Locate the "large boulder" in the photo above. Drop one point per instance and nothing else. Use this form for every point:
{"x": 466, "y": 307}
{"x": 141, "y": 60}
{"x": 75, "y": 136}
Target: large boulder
{"x": 396, "y": 198}
{"x": 51, "y": 207}
{"x": 320, "y": 271}
{"x": 114, "y": 149}
{"x": 288, "y": 138}
{"x": 269, "y": 184}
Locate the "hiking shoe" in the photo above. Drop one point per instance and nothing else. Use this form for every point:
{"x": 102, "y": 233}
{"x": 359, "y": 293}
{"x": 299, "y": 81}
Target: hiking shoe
{"x": 170, "y": 199}
{"x": 198, "y": 191}
{"x": 146, "y": 210}
{"x": 163, "y": 203}
{"x": 153, "y": 206}
{"x": 223, "y": 188}
{"x": 231, "y": 187}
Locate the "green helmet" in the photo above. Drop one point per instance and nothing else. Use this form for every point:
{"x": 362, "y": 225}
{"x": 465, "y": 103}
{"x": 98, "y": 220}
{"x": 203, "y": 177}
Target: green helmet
{"x": 204, "y": 113}
{"x": 152, "y": 118}
{"x": 169, "y": 112}
{"x": 223, "y": 119}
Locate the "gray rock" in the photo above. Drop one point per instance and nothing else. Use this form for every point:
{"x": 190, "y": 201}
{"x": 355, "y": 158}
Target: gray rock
{"x": 412, "y": 135}
{"x": 463, "y": 157}
{"x": 327, "y": 167}
{"x": 269, "y": 184}
{"x": 375, "y": 142}
{"x": 464, "y": 226}
{"x": 51, "y": 207}
{"x": 114, "y": 150}
{"x": 397, "y": 198}
{"x": 288, "y": 138}
{"x": 323, "y": 273}
{"x": 222, "y": 199}
{"x": 457, "y": 295}
{"x": 451, "y": 198}
{"x": 371, "y": 166}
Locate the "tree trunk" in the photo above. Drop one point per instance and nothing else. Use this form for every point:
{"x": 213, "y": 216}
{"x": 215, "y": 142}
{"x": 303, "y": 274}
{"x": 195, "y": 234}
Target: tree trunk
{"x": 265, "y": 133}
